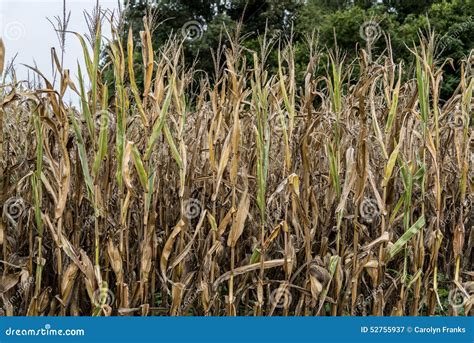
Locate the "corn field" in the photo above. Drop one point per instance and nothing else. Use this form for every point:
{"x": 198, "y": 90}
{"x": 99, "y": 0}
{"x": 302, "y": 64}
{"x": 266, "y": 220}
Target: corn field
{"x": 246, "y": 193}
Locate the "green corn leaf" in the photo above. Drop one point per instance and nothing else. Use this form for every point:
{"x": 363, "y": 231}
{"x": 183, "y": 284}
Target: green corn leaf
{"x": 104, "y": 119}
{"x": 212, "y": 221}
{"x": 174, "y": 150}
{"x": 400, "y": 243}
{"x": 390, "y": 165}
{"x": 95, "y": 66}
{"x": 255, "y": 256}
{"x": 87, "y": 57}
{"x": 149, "y": 193}
{"x": 142, "y": 174}
{"x": 333, "y": 170}
{"x": 83, "y": 157}
{"x": 133, "y": 84}
{"x": 158, "y": 126}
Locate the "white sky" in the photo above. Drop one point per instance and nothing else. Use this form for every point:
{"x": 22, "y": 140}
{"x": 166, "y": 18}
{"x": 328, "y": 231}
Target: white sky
{"x": 25, "y": 30}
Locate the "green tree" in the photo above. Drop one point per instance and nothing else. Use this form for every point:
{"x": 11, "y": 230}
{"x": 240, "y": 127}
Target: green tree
{"x": 203, "y": 24}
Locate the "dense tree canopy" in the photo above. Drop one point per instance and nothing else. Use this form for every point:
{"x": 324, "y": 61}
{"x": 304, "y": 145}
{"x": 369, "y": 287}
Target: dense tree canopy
{"x": 206, "y": 23}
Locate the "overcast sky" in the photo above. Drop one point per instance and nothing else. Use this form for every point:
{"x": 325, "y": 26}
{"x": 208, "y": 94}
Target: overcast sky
{"x": 25, "y": 29}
